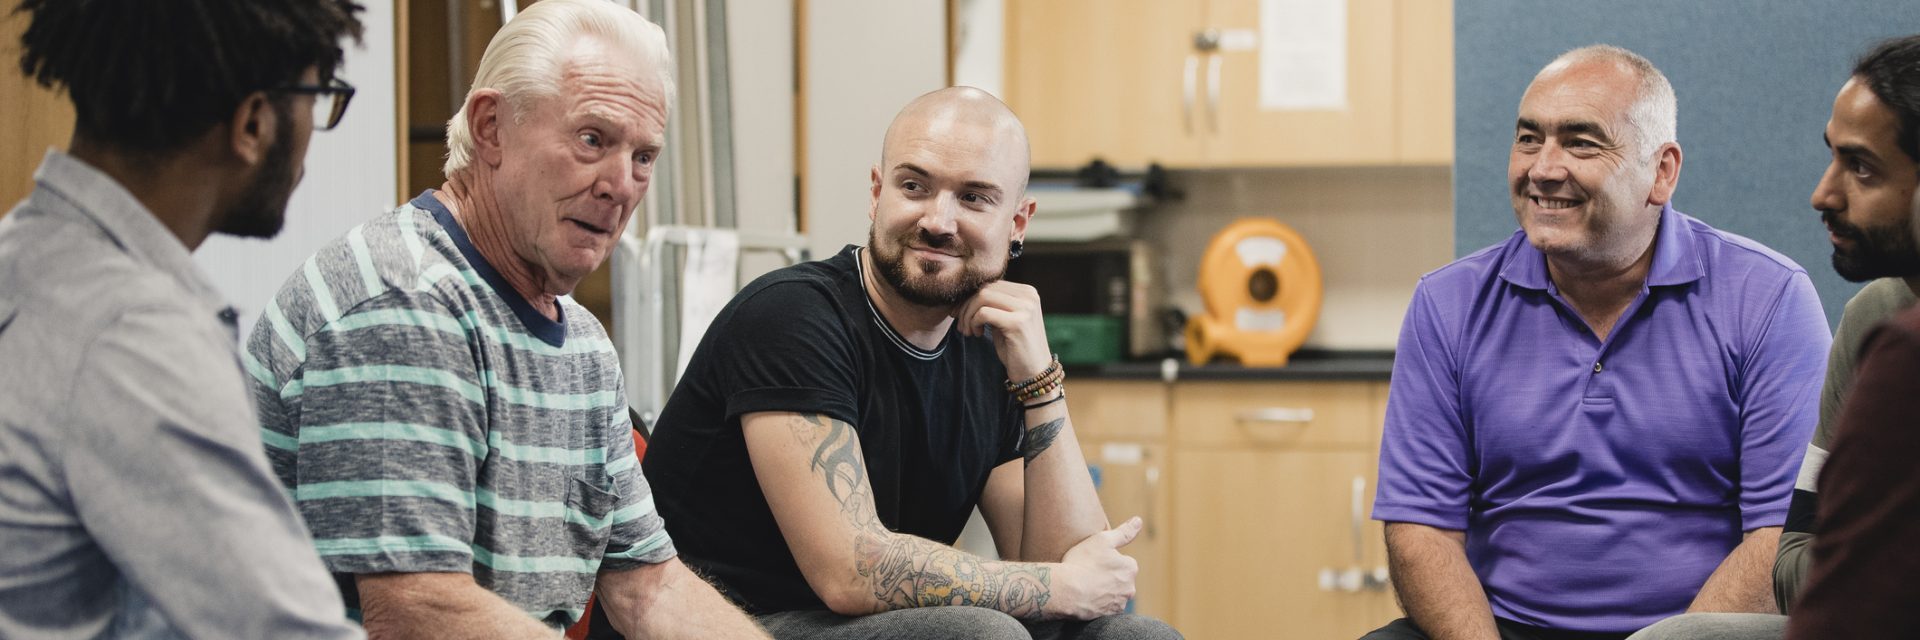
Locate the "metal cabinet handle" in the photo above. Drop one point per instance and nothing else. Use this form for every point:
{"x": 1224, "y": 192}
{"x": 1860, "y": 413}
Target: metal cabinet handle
{"x": 1354, "y": 578}
{"x": 1291, "y": 415}
{"x": 1188, "y": 92}
{"x": 1213, "y": 92}
{"x": 1204, "y": 41}
{"x": 1358, "y": 519}
{"x": 1153, "y": 498}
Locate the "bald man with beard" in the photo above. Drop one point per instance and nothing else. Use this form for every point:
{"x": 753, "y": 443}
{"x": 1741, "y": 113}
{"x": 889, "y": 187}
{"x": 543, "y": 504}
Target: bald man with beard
{"x": 841, "y": 419}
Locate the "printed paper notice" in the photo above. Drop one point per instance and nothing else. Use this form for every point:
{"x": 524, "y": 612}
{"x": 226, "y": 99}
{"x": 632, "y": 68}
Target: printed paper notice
{"x": 1303, "y": 55}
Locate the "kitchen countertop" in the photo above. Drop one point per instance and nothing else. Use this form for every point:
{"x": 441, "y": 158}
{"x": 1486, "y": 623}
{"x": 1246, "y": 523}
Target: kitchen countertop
{"x": 1306, "y": 364}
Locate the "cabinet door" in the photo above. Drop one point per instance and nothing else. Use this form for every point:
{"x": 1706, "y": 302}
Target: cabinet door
{"x": 1132, "y": 483}
{"x": 1257, "y": 528}
{"x": 1104, "y": 78}
{"x": 1361, "y": 134}
{"x": 1130, "y": 409}
{"x": 1425, "y": 77}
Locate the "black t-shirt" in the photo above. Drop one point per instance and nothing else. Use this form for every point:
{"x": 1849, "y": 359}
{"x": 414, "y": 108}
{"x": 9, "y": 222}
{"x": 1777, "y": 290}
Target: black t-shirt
{"x": 932, "y": 424}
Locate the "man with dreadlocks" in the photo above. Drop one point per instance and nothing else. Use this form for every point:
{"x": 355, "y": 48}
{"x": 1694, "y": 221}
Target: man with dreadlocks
{"x": 135, "y": 497}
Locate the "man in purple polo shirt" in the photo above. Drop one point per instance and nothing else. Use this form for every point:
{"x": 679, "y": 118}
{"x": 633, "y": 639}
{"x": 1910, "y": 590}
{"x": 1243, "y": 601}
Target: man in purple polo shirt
{"x": 1596, "y": 424}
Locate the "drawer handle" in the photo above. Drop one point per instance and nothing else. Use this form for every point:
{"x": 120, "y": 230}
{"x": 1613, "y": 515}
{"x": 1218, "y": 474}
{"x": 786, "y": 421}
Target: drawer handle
{"x": 1153, "y": 498}
{"x": 1187, "y": 83}
{"x": 1286, "y": 415}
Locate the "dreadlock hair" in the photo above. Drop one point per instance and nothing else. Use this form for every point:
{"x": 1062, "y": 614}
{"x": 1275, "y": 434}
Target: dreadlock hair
{"x": 147, "y": 76}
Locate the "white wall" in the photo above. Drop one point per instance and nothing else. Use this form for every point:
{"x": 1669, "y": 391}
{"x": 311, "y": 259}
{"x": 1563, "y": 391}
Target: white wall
{"x": 760, "y": 57}
{"x": 980, "y": 45}
{"x": 760, "y": 73}
{"x": 864, "y": 61}
{"x": 350, "y": 177}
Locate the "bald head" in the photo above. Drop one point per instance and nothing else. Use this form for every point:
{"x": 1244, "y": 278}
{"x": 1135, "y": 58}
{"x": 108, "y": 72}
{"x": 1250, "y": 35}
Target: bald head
{"x": 1653, "y": 111}
{"x": 962, "y": 119}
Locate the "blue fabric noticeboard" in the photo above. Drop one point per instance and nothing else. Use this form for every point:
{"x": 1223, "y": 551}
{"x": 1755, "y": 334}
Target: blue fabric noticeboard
{"x": 1755, "y": 81}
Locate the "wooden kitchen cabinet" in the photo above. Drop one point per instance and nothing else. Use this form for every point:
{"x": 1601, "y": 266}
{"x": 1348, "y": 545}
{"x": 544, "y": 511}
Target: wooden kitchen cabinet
{"x": 1424, "y": 77}
{"x": 1253, "y": 492}
{"x": 1133, "y": 82}
{"x": 1240, "y": 133}
{"x": 1102, "y": 78}
{"x": 1272, "y": 486}
{"x": 1122, "y": 429}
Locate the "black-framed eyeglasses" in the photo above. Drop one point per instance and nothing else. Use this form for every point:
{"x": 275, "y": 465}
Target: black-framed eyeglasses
{"x": 329, "y": 101}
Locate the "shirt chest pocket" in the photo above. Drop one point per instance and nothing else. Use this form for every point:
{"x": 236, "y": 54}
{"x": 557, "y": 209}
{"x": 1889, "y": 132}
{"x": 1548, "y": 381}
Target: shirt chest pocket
{"x": 590, "y": 503}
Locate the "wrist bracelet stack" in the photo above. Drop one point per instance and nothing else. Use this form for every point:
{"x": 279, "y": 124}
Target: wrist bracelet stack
{"x": 1059, "y": 398}
{"x": 1049, "y": 380}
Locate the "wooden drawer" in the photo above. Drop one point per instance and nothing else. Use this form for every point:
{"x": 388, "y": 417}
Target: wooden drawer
{"x": 1134, "y": 409}
{"x": 1322, "y": 415}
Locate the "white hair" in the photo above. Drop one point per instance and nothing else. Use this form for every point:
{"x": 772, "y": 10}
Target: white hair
{"x": 1655, "y": 112}
{"x": 524, "y": 61}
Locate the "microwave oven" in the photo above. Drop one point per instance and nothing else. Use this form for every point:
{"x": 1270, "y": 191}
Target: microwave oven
{"x": 1096, "y": 297}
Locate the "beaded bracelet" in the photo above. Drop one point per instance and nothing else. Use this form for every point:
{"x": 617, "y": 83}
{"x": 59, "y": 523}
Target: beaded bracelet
{"x": 1040, "y": 386}
{"x": 1048, "y": 387}
{"x": 1052, "y": 368}
{"x": 1037, "y": 405}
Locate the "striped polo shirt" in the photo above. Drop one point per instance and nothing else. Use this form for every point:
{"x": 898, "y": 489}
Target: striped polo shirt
{"x": 426, "y": 418}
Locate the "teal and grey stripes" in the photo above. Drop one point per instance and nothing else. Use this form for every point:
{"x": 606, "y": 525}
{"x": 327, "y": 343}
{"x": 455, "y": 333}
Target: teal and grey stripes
{"x": 419, "y": 426}
{"x": 496, "y": 445}
{"x": 480, "y": 497}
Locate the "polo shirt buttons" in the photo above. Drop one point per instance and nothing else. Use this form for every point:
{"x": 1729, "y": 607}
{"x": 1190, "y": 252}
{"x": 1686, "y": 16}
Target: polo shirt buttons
{"x": 1596, "y": 367}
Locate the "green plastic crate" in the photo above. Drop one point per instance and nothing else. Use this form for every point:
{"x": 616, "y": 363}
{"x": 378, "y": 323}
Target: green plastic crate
{"x": 1086, "y": 339}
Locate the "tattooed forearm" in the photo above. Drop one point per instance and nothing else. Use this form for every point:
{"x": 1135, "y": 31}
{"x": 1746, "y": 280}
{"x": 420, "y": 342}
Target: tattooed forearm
{"x": 1041, "y": 437}
{"x": 912, "y": 572}
{"x": 906, "y": 571}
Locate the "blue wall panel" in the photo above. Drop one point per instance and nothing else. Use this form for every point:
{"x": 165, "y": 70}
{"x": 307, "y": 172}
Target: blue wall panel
{"x": 1755, "y": 81}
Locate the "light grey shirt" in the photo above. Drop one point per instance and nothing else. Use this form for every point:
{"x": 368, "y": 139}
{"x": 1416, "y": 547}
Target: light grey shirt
{"x": 134, "y": 494}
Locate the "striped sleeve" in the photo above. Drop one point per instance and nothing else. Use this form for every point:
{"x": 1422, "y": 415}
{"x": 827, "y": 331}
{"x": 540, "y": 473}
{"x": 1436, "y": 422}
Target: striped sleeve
{"x": 639, "y": 535}
{"x": 390, "y": 433}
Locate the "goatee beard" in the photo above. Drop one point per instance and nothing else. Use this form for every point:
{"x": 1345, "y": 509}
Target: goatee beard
{"x": 926, "y": 290}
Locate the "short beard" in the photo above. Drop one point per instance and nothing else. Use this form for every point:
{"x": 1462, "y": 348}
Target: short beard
{"x": 925, "y": 290}
{"x": 1878, "y": 252}
{"x": 262, "y": 209}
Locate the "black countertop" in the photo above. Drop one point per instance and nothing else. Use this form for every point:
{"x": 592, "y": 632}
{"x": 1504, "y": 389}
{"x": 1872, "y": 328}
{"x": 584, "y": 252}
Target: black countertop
{"x": 1306, "y": 364}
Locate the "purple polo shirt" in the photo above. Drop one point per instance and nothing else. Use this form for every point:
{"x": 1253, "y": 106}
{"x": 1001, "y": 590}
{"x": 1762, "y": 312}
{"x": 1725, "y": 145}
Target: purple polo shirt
{"x": 1600, "y": 483}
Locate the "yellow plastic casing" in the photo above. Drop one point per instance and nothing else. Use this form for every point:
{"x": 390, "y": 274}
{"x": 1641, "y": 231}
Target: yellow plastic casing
{"x": 1262, "y": 289}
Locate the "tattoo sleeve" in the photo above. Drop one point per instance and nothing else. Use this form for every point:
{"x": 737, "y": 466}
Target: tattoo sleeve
{"x": 907, "y": 571}
{"x": 1041, "y": 437}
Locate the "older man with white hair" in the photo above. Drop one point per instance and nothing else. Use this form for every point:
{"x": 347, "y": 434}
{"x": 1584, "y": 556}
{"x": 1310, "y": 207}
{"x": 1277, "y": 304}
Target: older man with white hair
{"x": 452, "y": 428}
{"x": 1595, "y": 424}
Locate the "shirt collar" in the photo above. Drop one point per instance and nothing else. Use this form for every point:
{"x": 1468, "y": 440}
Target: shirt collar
{"x": 1676, "y": 256}
{"x": 552, "y": 331}
{"x": 70, "y": 187}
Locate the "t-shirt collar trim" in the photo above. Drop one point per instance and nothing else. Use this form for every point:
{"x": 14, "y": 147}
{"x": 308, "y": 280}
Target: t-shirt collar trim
{"x": 551, "y": 331}
{"x": 881, "y": 321}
